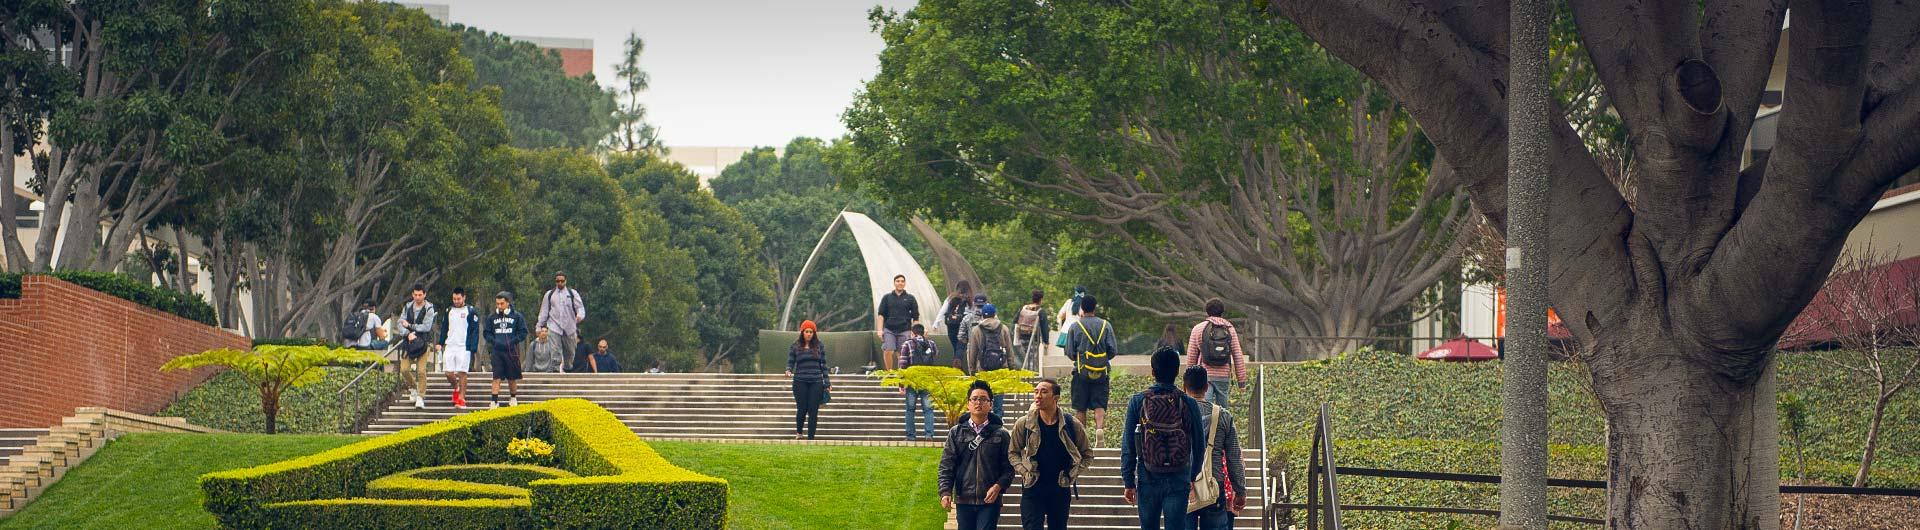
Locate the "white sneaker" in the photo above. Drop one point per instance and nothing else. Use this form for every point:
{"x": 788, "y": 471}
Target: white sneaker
{"x": 493, "y": 405}
{"x": 413, "y": 395}
{"x": 513, "y": 401}
{"x": 419, "y": 404}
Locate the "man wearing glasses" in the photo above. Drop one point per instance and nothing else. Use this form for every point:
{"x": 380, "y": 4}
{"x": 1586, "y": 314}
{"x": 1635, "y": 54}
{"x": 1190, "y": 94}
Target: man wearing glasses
{"x": 974, "y": 470}
{"x": 561, "y": 311}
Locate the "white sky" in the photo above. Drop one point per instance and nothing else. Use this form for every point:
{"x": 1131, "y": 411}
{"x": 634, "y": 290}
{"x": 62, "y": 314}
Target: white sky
{"x": 724, "y": 73}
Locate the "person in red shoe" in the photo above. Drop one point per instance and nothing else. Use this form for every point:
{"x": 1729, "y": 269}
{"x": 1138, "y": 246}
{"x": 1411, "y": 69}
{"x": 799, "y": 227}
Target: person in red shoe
{"x": 462, "y": 336}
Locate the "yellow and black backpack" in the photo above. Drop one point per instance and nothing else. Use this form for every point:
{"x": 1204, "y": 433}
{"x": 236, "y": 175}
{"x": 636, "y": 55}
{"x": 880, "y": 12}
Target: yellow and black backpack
{"x": 1093, "y": 362}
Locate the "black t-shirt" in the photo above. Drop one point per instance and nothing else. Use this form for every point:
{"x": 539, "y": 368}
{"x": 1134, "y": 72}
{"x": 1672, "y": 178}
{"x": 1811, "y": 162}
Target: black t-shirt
{"x": 898, "y": 311}
{"x": 1052, "y": 458}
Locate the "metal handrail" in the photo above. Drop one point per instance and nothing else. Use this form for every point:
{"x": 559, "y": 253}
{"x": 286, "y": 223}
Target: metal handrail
{"x": 1267, "y": 518}
{"x": 339, "y": 396}
{"x": 1332, "y": 471}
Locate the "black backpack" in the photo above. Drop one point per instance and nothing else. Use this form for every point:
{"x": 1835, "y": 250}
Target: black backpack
{"x": 1165, "y": 445}
{"x": 1216, "y": 345}
{"x": 919, "y": 352}
{"x": 354, "y": 326}
{"x": 993, "y": 355}
{"x": 955, "y": 311}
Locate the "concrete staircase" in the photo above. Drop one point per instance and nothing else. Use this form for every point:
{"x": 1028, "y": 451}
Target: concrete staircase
{"x": 47, "y": 456}
{"x": 722, "y": 407}
{"x": 15, "y": 441}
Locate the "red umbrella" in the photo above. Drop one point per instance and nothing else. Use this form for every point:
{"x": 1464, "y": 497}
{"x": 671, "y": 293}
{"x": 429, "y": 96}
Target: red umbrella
{"x": 1460, "y": 349}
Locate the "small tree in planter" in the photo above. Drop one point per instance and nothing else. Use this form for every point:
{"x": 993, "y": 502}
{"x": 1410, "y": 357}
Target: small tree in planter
{"x": 274, "y": 369}
{"x": 947, "y": 387}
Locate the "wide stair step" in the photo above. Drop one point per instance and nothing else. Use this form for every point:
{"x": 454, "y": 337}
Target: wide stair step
{"x": 14, "y": 441}
{"x": 760, "y": 407}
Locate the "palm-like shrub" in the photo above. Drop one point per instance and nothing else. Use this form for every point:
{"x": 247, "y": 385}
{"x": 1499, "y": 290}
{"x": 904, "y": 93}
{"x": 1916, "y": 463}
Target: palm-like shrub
{"x": 274, "y": 369}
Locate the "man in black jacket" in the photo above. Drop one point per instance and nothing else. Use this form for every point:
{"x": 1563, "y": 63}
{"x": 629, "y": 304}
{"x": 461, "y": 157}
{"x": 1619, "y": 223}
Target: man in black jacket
{"x": 974, "y": 466}
{"x": 898, "y": 312}
{"x": 505, "y": 330}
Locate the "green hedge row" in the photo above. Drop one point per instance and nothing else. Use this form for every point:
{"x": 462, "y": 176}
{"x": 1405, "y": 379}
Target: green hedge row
{"x": 187, "y": 306}
{"x": 624, "y": 483}
{"x": 296, "y": 341}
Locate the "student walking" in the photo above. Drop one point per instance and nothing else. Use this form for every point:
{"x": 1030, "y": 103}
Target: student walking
{"x": 602, "y": 360}
{"x": 971, "y": 319}
{"x": 1223, "y": 465}
{"x": 989, "y": 346}
{"x": 1161, "y": 453}
{"x": 807, "y": 365}
{"x": 898, "y": 312}
{"x": 358, "y": 328}
{"x": 1090, "y": 344}
{"x": 974, "y": 465}
{"x": 918, "y": 350}
{"x": 1214, "y": 344}
{"x": 417, "y": 318}
{"x": 462, "y": 325}
{"x": 548, "y": 354}
{"x": 561, "y": 312}
{"x": 1049, "y": 450}
{"x": 505, "y": 330}
{"x": 954, "y": 311}
{"x": 1030, "y": 332}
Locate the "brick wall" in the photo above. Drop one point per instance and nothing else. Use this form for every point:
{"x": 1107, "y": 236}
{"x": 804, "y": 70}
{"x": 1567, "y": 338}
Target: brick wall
{"x": 64, "y": 346}
{"x": 576, "y": 61}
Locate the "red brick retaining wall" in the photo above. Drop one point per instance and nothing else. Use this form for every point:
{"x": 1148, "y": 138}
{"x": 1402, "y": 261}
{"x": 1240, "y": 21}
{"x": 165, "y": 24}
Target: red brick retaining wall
{"x": 64, "y": 346}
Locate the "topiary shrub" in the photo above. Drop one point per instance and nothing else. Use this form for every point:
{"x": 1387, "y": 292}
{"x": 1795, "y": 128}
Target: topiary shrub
{"x": 622, "y": 482}
{"x": 468, "y": 481}
{"x": 187, "y": 306}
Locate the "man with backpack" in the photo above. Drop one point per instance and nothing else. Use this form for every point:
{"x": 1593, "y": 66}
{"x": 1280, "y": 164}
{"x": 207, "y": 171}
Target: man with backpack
{"x": 357, "y": 329}
{"x": 1216, "y": 345}
{"x": 898, "y": 312}
{"x": 989, "y": 346}
{"x": 561, "y": 311}
{"x": 918, "y": 350}
{"x": 1162, "y": 450}
{"x": 505, "y": 330}
{"x": 417, "y": 319}
{"x": 1029, "y": 332}
{"x": 967, "y": 323}
{"x": 1090, "y": 344}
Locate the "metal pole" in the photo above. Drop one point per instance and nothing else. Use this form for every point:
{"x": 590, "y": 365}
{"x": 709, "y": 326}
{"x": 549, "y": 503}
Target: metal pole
{"x": 1523, "y": 424}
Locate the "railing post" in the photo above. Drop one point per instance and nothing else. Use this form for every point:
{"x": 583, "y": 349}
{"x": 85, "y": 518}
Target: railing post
{"x": 1331, "y": 469}
{"x": 1313, "y": 474}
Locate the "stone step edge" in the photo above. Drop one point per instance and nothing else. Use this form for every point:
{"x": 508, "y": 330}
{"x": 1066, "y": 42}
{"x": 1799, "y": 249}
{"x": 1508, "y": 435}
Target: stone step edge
{"x": 67, "y": 445}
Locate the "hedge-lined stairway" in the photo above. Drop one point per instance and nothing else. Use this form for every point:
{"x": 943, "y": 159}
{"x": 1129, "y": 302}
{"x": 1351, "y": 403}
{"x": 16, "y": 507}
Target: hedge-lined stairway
{"x": 712, "y": 407}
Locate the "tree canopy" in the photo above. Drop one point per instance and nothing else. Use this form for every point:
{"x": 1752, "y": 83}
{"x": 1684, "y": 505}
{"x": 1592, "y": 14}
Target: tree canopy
{"x": 543, "y": 107}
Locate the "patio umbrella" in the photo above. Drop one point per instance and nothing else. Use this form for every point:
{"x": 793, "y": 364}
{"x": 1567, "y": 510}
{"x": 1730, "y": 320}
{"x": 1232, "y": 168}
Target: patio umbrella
{"x": 1460, "y": 349}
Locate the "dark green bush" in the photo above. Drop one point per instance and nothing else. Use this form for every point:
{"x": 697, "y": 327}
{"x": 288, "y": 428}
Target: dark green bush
{"x": 627, "y": 484}
{"x": 187, "y": 306}
{"x": 9, "y": 285}
{"x": 295, "y": 341}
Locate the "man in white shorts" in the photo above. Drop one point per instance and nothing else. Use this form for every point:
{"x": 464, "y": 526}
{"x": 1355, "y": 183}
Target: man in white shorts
{"x": 456, "y": 346}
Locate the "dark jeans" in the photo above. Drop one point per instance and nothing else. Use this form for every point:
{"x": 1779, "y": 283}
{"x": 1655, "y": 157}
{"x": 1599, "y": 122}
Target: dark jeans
{"x": 1217, "y": 391}
{"x": 1163, "y": 499}
{"x": 806, "y": 401}
{"x": 1214, "y": 517}
{"x": 977, "y": 516}
{"x": 1045, "y": 506}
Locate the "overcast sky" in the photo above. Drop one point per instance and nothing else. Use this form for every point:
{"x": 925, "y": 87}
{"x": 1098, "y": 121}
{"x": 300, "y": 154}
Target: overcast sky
{"x": 724, "y": 73}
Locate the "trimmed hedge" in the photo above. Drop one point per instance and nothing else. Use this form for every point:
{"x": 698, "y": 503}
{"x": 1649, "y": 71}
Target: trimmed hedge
{"x": 469, "y": 481}
{"x": 296, "y": 341}
{"x": 128, "y": 288}
{"x": 625, "y": 484}
{"x": 506, "y": 474}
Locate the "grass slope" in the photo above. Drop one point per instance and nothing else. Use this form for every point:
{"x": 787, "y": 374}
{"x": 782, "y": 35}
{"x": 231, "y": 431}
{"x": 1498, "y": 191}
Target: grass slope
{"x": 150, "y": 481}
{"x": 799, "y": 486}
{"x": 228, "y": 403}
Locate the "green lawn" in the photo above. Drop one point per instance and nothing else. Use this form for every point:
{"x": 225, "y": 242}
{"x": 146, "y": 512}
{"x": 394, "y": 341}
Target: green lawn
{"x": 798, "y": 486}
{"x": 149, "y": 481}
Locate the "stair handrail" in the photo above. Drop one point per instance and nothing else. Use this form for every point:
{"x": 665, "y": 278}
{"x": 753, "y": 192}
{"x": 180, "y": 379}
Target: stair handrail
{"x": 339, "y": 396}
{"x": 1267, "y": 489}
{"x": 1323, "y": 433}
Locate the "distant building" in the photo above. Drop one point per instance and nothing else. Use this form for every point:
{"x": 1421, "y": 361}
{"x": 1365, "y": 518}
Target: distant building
{"x": 707, "y": 161}
{"x": 576, "y": 55}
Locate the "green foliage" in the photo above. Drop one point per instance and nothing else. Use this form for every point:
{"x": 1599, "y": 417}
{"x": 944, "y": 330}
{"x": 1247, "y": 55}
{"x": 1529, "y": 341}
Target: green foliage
{"x": 735, "y": 299}
{"x": 616, "y": 251}
{"x": 371, "y": 514}
{"x": 228, "y": 402}
{"x": 121, "y": 286}
{"x": 947, "y": 387}
{"x": 272, "y": 370}
{"x": 9, "y": 285}
{"x": 1838, "y": 409}
{"x": 465, "y": 481}
{"x": 631, "y": 131}
{"x": 542, "y": 107}
{"x": 784, "y": 487}
{"x": 623, "y": 482}
{"x": 148, "y": 480}
{"x": 1456, "y": 456}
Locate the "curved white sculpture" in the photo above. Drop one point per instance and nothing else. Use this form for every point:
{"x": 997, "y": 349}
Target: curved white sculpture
{"x": 884, "y": 257}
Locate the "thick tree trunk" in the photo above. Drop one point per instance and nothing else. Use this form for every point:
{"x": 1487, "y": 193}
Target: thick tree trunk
{"x": 1689, "y": 446}
{"x": 1873, "y": 441}
{"x": 270, "y": 405}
